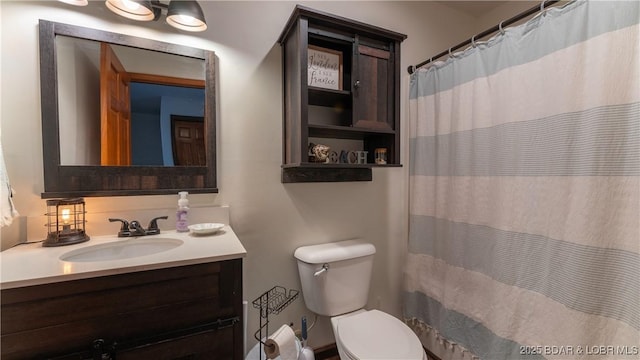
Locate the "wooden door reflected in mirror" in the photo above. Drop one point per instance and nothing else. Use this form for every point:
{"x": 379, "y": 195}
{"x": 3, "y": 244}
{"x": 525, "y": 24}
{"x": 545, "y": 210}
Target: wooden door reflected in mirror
{"x": 188, "y": 140}
{"x": 115, "y": 105}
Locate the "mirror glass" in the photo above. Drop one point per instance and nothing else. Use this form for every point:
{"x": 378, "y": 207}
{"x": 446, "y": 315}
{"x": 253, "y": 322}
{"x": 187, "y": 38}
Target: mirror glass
{"x": 159, "y": 86}
{"x": 123, "y": 115}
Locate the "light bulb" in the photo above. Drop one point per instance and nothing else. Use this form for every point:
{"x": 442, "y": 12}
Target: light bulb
{"x": 131, "y": 5}
{"x": 135, "y": 10}
{"x": 66, "y": 216}
{"x": 188, "y": 20}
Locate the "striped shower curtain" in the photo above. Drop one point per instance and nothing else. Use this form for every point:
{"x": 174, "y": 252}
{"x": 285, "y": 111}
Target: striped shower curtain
{"x": 524, "y": 238}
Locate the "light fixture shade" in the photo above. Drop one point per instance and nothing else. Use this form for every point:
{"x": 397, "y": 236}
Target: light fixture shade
{"x": 132, "y": 9}
{"x": 76, "y": 2}
{"x": 186, "y": 15}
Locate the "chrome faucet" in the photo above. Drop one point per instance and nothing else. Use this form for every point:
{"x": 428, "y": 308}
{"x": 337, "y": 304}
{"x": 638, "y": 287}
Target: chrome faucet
{"x": 135, "y": 229}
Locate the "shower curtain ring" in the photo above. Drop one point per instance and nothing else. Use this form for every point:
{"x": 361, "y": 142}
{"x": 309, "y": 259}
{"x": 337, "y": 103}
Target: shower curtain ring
{"x": 500, "y": 27}
{"x": 450, "y": 54}
{"x": 542, "y": 11}
{"x": 473, "y": 41}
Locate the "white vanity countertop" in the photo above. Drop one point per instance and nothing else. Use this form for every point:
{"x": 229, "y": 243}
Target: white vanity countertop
{"x": 33, "y": 264}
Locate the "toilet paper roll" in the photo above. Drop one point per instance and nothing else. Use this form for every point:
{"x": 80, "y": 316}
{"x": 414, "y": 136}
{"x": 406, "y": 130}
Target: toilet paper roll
{"x": 282, "y": 343}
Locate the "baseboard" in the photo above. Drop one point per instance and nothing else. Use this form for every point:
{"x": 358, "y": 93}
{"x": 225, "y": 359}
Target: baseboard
{"x": 330, "y": 351}
{"x": 325, "y": 352}
{"x": 430, "y": 355}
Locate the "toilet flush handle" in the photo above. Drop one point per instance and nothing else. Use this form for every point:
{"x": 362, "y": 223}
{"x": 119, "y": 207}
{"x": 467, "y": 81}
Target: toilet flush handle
{"x": 325, "y": 267}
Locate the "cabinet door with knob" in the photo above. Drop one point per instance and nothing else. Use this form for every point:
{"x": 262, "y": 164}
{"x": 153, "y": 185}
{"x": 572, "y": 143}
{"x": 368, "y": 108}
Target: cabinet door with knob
{"x": 341, "y": 90}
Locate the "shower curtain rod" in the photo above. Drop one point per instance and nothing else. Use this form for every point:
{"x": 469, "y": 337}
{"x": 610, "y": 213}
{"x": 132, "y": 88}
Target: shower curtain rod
{"x": 411, "y": 69}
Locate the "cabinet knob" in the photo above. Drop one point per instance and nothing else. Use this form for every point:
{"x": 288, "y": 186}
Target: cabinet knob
{"x": 356, "y": 84}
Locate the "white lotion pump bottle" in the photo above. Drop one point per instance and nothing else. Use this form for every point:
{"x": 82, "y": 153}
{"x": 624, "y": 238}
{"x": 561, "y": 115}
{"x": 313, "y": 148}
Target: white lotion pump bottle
{"x": 182, "y": 223}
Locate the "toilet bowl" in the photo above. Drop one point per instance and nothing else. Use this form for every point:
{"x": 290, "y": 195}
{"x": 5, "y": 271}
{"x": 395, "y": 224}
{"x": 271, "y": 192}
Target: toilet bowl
{"x": 375, "y": 334}
{"x": 335, "y": 281}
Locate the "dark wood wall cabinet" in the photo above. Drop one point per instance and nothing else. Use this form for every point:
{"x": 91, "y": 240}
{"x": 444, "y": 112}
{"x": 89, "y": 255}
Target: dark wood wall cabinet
{"x": 341, "y": 89}
{"x": 187, "y": 312}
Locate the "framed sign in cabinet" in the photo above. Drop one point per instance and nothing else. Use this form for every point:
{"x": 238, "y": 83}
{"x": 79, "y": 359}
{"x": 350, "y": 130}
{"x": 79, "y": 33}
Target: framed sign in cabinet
{"x": 324, "y": 68}
{"x": 341, "y": 96}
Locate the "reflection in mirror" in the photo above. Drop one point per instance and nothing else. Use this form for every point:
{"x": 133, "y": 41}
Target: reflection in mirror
{"x": 136, "y": 127}
{"x": 84, "y": 120}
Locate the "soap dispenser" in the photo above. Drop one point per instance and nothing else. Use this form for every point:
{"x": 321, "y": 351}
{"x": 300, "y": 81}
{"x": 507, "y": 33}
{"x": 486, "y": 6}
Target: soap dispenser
{"x": 182, "y": 224}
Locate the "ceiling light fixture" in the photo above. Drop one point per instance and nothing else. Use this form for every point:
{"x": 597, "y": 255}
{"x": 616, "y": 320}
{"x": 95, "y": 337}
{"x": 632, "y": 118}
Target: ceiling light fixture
{"x": 134, "y": 10}
{"x": 182, "y": 14}
{"x": 186, "y": 15}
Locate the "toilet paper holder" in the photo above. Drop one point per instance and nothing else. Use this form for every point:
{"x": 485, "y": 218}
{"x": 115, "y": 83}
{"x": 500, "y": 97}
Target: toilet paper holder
{"x": 272, "y": 301}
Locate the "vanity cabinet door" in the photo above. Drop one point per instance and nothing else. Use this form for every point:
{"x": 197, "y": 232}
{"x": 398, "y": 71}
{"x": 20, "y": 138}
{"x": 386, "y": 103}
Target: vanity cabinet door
{"x": 215, "y": 344}
{"x": 53, "y": 320}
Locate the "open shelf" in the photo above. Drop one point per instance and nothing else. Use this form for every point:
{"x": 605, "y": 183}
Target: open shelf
{"x": 311, "y": 165}
{"x": 340, "y": 165}
{"x": 343, "y": 132}
{"x": 328, "y": 97}
{"x": 319, "y": 173}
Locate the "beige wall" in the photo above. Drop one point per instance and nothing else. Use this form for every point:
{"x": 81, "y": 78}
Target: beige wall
{"x": 270, "y": 218}
{"x": 504, "y": 12}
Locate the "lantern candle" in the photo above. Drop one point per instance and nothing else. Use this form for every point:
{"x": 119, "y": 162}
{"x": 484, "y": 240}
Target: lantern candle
{"x": 65, "y": 222}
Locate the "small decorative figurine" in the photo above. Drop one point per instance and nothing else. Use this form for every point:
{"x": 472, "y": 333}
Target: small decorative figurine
{"x": 319, "y": 153}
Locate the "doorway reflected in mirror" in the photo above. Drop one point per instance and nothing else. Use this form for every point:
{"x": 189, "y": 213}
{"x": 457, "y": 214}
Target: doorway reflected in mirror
{"x": 152, "y": 125}
{"x": 188, "y": 140}
{"x": 116, "y": 101}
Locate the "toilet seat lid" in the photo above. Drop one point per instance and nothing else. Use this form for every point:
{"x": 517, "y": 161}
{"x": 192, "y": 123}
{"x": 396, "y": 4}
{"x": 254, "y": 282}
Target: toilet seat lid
{"x": 377, "y": 335}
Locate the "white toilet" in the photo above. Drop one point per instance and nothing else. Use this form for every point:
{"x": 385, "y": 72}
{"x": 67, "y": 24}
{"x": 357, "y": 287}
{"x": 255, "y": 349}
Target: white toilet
{"x": 335, "y": 281}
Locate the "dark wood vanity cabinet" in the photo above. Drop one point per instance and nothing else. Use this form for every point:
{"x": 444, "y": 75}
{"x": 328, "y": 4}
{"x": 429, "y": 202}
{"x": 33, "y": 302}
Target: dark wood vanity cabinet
{"x": 358, "y": 111}
{"x": 186, "y": 312}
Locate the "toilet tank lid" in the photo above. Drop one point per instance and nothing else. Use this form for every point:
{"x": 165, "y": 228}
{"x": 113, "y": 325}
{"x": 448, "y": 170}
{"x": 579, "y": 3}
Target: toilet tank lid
{"x": 334, "y": 251}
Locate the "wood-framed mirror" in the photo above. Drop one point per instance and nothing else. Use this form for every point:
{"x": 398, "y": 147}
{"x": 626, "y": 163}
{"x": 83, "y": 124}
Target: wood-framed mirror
{"x": 89, "y": 148}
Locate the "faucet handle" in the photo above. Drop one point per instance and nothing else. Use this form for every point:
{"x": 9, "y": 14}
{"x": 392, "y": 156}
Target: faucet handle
{"x": 153, "y": 224}
{"x": 124, "y": 229}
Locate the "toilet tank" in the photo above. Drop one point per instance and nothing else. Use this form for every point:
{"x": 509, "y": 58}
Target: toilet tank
{"x": 344, "y": 286}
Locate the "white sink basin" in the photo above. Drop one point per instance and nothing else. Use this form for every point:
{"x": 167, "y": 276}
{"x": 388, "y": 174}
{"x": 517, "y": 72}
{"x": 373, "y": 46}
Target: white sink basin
{"x": 124, "y": 249}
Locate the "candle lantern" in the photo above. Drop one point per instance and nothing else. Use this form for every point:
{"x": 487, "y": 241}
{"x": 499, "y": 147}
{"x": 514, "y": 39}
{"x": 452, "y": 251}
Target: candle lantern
{"x": 65, "y": 222}
{"x": 380, "y": 156}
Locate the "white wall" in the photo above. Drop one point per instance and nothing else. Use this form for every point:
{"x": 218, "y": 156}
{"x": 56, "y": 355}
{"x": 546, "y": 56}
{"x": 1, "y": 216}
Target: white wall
{"x": 79, "y": 75}
{"x": 270, "y": 218}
